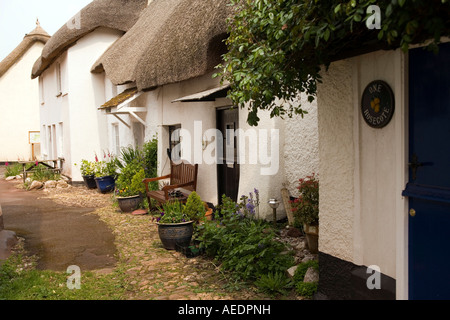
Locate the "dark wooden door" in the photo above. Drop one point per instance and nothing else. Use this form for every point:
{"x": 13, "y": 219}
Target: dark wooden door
{"x": 228, "y": 167}
{"x": 428, "y": 189}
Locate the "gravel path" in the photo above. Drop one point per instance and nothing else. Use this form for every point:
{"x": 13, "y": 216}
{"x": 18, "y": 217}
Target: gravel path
{"x": 155, "y": 273}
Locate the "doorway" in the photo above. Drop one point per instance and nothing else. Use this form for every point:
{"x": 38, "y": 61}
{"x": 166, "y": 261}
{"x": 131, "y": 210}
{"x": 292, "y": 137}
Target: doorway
{"x": 227, "y": 165}
{"x": 428, "y": 189}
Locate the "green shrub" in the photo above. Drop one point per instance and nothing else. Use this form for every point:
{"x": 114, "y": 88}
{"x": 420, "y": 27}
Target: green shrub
{"x": 194, "y": 208}
{"x": 245, "y": 246}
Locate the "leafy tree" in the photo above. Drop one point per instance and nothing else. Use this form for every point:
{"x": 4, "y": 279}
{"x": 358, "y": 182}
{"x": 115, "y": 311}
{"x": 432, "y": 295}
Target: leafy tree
{"x": 277, "y": 48}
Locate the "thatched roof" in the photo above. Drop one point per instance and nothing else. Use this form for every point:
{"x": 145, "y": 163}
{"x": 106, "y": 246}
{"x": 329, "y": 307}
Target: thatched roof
{"x": 115, "y": 14}
{"x": 174, "y": 40}
{"x": 37, "y": 35}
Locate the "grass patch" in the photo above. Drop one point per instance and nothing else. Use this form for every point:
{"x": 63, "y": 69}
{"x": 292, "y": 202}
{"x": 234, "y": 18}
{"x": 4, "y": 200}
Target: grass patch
{"x": 20, "y": 280}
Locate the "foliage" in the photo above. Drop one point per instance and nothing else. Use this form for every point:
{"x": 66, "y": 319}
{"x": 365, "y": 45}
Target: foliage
{"x": 106, "y": 167}
{"x": 150, "y": 153}
{"x": 244, "y": 245}
{"x": 43, "y": 173}
{"x": 194, "y": 207}
{"x": 87, "y": 168}
{"x": 276, "y": 49}
{"x": 129, "y": 181}
{"x": 305, "y": 289}
{"x": 273, "y": 283}
{"x": 249, "y": 205}
{"x": 306, "y": 207}
{"x": 172, "y": 212}
{"x": 13, "y": 169}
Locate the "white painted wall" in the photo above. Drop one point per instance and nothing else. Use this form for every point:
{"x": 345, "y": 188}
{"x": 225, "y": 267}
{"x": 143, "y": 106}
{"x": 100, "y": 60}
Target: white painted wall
{"x": 296, "y": 152}
{"x": 19, "y": 111}
{"x": 85, "y": 127}
{"x": 363, "y": 217}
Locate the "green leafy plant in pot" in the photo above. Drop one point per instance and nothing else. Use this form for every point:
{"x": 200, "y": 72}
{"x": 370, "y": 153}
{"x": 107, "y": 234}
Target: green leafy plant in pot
{"x": 306, "y": 209}
{"x": 87, "y": 169}
{"x": 176, "y": 221}
{"x": 129, "y": 189}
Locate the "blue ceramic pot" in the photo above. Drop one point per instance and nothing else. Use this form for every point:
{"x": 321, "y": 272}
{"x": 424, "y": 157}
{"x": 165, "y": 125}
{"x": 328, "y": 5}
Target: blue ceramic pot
{"x": 105, "y": 184}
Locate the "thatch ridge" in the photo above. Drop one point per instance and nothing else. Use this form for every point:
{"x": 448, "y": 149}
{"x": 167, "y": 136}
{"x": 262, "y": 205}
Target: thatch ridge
{"x": 37, "y": 35}
{"x": 115, "y": 14}
{"x": 174, "y": 40}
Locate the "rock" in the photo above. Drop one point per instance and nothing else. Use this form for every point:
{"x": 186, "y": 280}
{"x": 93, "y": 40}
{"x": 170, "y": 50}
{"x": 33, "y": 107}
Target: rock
{"x": 294, "y": 232}
{"x": 291, "y": 271}
{"x": 36, "y": 185}
{"x": 300, "y": 246}
{"x": 28, "y": 180}
{"x": 50, "y": 184}
{"x": 19, "y": 176}
{"x": 62, "y": 184}
{"x": 10, "y": 178}
{"x": 311, "y": 275}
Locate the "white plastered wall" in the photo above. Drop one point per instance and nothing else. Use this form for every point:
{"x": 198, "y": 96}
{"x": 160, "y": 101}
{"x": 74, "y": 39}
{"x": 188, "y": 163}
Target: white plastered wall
{"x": 363, "y": 217}
{"x": 19, "y": 110}
{"x": 85, "y": 127}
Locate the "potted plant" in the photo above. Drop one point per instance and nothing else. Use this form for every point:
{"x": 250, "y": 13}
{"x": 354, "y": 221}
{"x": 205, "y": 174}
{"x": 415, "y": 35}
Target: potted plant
{"x": 176, "y": 221}
{"x": 105, "y": 174}
{"x": 174, "y": 226}
{"x": 87, "y": 169}
{"x": 129, "y": 189}
{"x": 306, "y": 210}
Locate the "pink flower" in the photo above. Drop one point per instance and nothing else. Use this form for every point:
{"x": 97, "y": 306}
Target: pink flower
{"x": 96, "y": 158}
{"x": 36, "y": 163}
{"x": 6, "y": 164}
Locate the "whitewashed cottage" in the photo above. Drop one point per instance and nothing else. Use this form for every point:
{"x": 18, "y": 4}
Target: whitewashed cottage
{"x": 71, "y": 127}
{"x": 19, "y": 115}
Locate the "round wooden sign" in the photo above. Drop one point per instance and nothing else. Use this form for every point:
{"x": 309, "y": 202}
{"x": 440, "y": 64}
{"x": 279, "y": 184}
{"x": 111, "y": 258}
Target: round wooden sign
{"x": 378, "y": 104}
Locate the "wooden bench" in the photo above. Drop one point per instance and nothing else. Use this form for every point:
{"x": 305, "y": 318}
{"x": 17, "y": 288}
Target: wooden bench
{"x": 182, "y": 175}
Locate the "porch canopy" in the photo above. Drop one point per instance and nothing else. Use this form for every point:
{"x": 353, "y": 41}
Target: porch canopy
{"x": 207, "y": 95}
{"x": 120, "y": 104}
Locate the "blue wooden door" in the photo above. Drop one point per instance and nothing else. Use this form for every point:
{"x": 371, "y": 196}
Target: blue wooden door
{"x": 428, "y": 189}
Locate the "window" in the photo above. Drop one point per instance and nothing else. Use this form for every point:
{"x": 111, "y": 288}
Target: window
{"x": 116, "y": 139}
{"x": 61, "y": 140}
{"x": 44, "y": 141}
{"x": 58, "y": 80}
{"x": 41, "y": 91}
{"x": 49, "y": 142}
{"x": 174, "y": 151}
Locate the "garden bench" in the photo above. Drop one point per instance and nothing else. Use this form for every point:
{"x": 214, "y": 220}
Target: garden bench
{"x": 182, "y": 175}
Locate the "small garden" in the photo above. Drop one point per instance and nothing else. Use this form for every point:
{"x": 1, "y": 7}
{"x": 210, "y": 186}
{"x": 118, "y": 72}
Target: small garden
{"x": 247, "y": 250}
